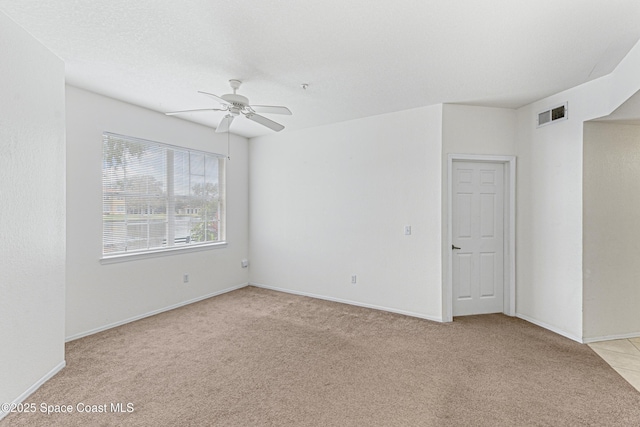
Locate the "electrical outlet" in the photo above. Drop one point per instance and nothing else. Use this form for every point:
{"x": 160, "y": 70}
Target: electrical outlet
{"x": 407, "y": 230}
{"x": 244, "y": 263}
{"x": 354, "y": 279}
{"x": 185, "y": 278}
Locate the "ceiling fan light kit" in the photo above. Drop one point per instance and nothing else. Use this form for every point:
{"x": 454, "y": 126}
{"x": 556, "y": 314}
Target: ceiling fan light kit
{"x": 235, "y": 105}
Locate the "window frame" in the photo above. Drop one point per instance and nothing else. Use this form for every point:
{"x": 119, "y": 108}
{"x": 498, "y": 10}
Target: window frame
{"x": 153, "y": 252}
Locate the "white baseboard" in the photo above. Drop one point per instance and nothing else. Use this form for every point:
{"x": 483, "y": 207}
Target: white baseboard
{"x": 153, "y": 313}
{"x": 350, "y": 302}
{"x": 611, "y": 337}
{"x": 549, "y": 327}
{"x": 35, "y": 386}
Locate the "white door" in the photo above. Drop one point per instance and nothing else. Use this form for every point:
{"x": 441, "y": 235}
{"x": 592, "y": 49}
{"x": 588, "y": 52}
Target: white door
{"x": 478, "y": 237}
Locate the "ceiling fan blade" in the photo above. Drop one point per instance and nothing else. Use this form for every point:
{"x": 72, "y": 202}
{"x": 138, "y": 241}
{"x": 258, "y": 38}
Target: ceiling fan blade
{"x": 264, "y": 121}
{"x": 271, "y": 109}
{"x": 216, "y": 97}
{"x": 224, "y": 124}
{"x": 171, "y": 113}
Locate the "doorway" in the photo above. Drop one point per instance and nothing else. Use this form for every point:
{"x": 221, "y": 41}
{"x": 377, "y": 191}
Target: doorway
{"x": 480, "y": 245}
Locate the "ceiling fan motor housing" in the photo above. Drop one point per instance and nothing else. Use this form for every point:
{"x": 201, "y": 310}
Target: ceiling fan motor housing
{"x": 238, "y": 103}
{"x": 237, "y": 100}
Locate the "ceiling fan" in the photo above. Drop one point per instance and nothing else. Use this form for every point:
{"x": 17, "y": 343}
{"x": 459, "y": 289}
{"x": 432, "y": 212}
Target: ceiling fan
{"x": 235, "y": 105}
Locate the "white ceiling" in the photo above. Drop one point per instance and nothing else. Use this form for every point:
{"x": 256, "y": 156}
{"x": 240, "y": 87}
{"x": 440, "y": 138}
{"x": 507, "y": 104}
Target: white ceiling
{"x": 359, "y": 57}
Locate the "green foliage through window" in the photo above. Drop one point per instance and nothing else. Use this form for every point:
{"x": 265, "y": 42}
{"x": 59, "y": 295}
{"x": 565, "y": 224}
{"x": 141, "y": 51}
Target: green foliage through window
{"x": 157, "y": 196}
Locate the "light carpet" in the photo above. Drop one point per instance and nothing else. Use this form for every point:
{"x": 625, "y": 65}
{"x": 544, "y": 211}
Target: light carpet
{"x": 255, "y": 357}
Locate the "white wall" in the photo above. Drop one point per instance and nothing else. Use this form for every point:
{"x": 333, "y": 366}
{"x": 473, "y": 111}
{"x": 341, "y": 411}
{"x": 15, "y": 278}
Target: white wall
{"x": 98, "y": 295}
{"x": 549, "y": 219}
{"x": 611, "y": 230}
{"x": 549, "y": 232}
{"x": 468, "y": 129}
{"x": 332, "y": 201}
{"x": 32, "y": 222}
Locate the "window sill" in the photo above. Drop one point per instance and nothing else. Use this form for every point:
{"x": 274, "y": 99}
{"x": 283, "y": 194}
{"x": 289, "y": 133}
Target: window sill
{"x": 160, "y": 253}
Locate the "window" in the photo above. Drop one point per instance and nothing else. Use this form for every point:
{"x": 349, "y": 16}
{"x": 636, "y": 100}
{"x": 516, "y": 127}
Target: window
{"x": 158, "y": 197}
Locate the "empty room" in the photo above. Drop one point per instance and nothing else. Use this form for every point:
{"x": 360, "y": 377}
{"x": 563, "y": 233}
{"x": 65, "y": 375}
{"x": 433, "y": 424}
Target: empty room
{"x": 326, "y": 212}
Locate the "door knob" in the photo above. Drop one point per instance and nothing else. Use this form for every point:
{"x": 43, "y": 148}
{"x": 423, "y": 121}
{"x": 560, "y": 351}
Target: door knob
{"x": 454, "y": 247}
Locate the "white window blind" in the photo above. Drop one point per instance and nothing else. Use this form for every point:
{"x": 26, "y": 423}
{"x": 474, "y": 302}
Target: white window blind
{"x": 158, "y": 196}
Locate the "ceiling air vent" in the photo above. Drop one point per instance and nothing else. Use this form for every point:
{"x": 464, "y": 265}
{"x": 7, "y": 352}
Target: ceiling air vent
{"x": 553, "y": 115}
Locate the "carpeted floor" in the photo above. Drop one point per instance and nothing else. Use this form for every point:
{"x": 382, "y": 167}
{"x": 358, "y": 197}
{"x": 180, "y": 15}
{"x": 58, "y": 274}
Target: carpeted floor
{"x": 255, "y": 357}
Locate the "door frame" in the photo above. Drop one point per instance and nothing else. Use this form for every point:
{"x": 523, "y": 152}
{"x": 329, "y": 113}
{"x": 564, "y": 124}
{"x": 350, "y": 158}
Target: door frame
{"x": 509, "y": 304}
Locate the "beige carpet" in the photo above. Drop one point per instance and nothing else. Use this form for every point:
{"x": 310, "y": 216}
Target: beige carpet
{"x": 261, "y": 358}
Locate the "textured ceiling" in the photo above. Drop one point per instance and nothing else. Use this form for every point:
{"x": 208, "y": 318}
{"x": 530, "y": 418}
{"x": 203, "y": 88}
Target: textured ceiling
{"x": 359, "y": 57}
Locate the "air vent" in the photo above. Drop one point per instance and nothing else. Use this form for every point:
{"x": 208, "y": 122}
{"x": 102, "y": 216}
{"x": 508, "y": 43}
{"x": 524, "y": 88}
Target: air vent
{"x": 553, "y": 115}
{"x": 544, "y": 118}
